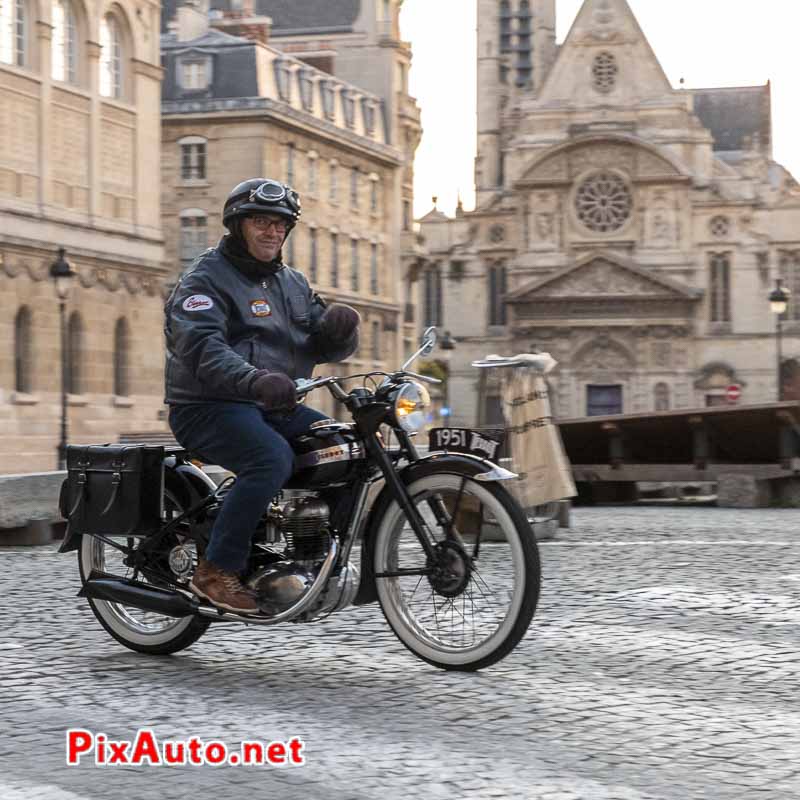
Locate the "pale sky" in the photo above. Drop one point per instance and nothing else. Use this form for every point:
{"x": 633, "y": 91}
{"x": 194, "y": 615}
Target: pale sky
{"x": 706, "y": 42}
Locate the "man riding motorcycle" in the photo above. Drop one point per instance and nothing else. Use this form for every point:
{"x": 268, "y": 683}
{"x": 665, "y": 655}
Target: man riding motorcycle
{"x": 240, "y": 327}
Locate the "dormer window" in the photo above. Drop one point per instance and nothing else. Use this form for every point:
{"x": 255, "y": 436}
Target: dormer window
{"x": 328, "y": 91}
{"x": 349, "y": 107}
{"x": 305, "y": 79}
{"x": 283, "y": 79}
{"x": 368, "y": 113}
{"x": 194, "y": 74}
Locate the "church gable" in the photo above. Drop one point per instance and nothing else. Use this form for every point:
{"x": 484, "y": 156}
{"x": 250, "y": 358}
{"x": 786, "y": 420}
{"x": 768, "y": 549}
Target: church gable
{"x": 601, "y": 277}
{"x": 601, "y": 287}
{"x": 605, "y": 60}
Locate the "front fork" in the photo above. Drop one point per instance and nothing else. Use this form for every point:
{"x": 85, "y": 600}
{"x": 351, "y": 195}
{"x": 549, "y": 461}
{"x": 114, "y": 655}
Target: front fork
{"x": 400, "y": 493}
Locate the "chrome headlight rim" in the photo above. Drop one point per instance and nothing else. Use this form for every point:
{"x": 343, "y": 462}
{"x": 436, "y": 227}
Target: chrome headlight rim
{"x": 410, "y": 391}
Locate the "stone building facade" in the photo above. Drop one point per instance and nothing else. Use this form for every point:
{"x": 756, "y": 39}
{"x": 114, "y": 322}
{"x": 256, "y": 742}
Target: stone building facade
{"x": 242, "y": 99}
{"x": 79, "y": 146}
{"x": 632, "y": 229}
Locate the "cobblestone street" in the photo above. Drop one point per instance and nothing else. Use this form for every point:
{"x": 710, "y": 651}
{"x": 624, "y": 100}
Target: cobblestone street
{"x": 662, "y": 663}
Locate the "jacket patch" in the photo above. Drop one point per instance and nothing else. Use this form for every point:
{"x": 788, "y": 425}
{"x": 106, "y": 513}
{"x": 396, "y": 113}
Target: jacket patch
{"x": 260, "y": 308}
{"x": 198, "y": 302}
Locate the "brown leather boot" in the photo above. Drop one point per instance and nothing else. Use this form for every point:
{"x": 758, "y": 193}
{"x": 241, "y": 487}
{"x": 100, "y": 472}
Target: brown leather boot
{"x": 223, "y": 589}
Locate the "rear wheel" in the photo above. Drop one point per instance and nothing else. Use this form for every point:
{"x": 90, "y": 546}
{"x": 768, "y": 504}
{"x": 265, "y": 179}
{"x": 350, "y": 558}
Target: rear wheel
{"x": 471, "y": 604}
{"x": 143, "y": 631}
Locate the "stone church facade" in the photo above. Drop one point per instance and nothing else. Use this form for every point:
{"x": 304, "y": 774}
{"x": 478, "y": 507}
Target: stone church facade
{"x": 629, "y": 228}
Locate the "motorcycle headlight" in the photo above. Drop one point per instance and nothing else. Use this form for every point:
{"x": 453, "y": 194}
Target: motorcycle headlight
{"x": 411, "y": 401}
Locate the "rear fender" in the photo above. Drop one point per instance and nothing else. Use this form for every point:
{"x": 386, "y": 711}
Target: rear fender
{"x": 187, "y": 482}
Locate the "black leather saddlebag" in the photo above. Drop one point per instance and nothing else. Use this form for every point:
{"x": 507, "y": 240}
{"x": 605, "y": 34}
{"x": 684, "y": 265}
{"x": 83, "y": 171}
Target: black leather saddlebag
{"x": 113, "y": 489}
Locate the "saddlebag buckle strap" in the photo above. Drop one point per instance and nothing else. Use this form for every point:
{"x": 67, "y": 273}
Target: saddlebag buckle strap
{"x": 116, "y": 482}
{"x": 81, "y": 494}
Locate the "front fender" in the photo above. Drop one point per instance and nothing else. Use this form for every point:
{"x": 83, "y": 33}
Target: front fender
{"x": 475, "y": 467}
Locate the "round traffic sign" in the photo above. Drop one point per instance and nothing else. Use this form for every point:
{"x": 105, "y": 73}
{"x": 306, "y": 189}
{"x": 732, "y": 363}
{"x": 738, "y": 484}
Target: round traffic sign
{"x": 733, "y": 393}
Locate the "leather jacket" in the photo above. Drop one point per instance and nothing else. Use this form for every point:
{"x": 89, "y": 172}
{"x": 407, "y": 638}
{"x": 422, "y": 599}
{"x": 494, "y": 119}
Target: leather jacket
{"x": 223, "y": 325}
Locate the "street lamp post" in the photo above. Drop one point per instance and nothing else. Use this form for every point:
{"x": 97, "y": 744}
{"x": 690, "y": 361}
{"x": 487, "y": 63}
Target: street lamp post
{"x": 778, "y": 303}
{"x": 62, "y": 275}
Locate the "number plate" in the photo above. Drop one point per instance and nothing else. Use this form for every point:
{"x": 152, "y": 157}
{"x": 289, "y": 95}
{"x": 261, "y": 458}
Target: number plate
{"x": 486, "y": 444}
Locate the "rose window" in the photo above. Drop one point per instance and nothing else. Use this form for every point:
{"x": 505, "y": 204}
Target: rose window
{"x": 720, "y": 226}
{"x": 603, "y": 202}
{"x": 604, "y": 72}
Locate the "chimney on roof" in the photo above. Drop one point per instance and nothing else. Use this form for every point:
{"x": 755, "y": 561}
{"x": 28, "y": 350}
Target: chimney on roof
{"x": 191, "y": 19}
{"x": 242, "y": 20}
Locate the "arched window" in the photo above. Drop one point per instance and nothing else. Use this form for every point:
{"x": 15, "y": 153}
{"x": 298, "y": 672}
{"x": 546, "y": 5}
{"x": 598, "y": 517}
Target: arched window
{"x": 64, "y": 42}
{"x": 74, "y": 354}
{"x": 14, "y": 20}
{"x": 110, "y": 57}
{"x": 194, "y": 234}
{"x": 661, "y": 396}
{"x": 122, "y": 387}
{"x": 23, "y": 350}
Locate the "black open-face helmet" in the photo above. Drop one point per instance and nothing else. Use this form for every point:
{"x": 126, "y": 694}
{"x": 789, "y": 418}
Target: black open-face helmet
{"x": 262, "y": 196}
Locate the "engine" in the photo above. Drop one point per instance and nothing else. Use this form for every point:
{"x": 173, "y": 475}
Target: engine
{"x": 302, "y": 526}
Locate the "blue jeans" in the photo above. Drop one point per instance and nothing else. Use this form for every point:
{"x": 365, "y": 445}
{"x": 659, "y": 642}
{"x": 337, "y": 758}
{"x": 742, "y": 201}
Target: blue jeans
{"x": 251, "y": 443}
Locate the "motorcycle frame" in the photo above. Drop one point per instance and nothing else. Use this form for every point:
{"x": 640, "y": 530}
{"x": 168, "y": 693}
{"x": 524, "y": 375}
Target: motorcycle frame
{"x": 369, "y": 413}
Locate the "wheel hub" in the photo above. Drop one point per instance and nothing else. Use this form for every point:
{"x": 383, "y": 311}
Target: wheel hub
{"x": 450, "y": 568}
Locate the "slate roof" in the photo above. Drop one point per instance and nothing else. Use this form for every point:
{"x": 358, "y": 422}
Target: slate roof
{"x": 734, "y": 116}
{"x": 289, "y": 16}
{"x": 233, "y": 72}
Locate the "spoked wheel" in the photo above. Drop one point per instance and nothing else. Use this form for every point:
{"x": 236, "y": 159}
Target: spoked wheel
{"x": 468, "y": 605}
{"x": 143, "y": 631}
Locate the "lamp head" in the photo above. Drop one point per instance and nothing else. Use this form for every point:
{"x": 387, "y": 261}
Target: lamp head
{"x": 62, "y": 273}
{"x": 779, "y": 298}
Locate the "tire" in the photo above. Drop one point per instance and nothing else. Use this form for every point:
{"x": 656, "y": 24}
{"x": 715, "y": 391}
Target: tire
{"x": 413, "y": 604}
{"x": 139, "y": 630}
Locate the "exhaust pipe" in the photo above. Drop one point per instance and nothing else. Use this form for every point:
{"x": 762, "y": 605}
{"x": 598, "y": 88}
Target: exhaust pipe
{"x": 100, "y": 586}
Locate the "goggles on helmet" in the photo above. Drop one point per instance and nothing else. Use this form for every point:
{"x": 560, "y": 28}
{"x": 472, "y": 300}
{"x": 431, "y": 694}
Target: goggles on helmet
{"x": 271, "y": 193}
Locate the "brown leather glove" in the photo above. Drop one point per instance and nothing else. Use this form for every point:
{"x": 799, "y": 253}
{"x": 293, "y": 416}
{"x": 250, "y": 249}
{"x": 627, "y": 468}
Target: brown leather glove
{"x": 339, "y": 322}
{"x": 274, "y": 390}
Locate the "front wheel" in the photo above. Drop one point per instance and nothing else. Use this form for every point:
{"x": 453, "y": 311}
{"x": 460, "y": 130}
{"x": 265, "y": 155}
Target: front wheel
{"x": 470, "y": 605}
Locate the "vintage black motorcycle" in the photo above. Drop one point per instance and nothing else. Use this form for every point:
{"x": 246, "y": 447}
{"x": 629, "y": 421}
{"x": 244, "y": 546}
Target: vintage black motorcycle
{"x": 441, "y": 543}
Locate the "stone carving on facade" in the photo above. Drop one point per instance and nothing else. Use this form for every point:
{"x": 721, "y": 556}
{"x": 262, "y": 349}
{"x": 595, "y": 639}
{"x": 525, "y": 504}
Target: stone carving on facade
{"x": 604, "y": 24}
{"x": 497, "y": 233}
{"x": 600, "y": 277}
{"x": 555, "y": 168}
{"x": 38, "y": 270}
{"x": 662, "y": 221}
{"x": 543, "y": 224}
{"x": 14, "y": 265}
{"x": 649, "y": 165}
{"x": 87, "y": 277}
{"x": 662, "y": 354}
{"x": 132, "y": 283}
{"x": 604, "y": 353}
{"x": 620, "y": 157}
{"x": 11, "y": 266}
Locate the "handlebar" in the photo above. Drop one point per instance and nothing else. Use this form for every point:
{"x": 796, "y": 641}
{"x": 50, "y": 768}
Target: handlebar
{"x": 304, "y": 385}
